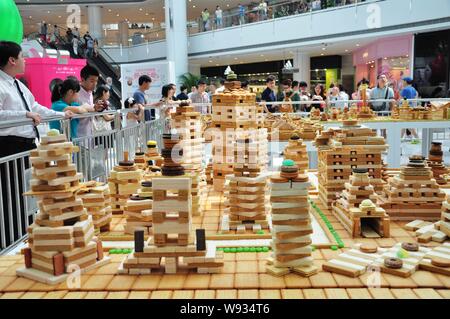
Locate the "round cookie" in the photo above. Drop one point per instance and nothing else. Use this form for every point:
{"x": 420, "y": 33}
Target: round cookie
{"x": 368, "y": 248}
{"x": 410, "y": 246}
{"x": 139, "y": 153}
{"x": 393, "y": 263}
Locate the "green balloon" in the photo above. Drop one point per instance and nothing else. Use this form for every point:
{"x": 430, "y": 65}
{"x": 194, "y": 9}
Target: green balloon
{"x": 11, "y": 27}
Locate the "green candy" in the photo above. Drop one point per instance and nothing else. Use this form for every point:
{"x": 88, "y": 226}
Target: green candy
{"x": 233, "y": 250}
{"x": 260, "y": 232}
{"x": 252, "y": 249}
{"x": 288, "y": 162}
{"x": 334, "y": 247}
{"x": 341, "y": 245}
{"x": 226, "y": 250}
{"x": 259, "y": 249}
{"x": 246, "y": 249}
{"x": 239, "y": 250}
{"x": 265, "y": 249}
{"x": 313, "y": 248}
{"x": 113, "y": 251}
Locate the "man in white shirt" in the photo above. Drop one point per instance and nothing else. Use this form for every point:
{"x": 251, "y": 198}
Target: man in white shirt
{"x": 18, "y": 103}
{"x": 200, "y": 97}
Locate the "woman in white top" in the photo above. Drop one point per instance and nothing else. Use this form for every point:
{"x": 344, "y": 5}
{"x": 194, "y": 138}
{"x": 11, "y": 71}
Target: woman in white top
{"x": 219, "y": 16}
{"x": 75, "y": 43}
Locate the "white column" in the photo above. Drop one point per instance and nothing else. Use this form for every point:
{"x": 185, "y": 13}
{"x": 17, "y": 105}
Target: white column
{"x": 302, "y": 61}
{"x": 95, "y": 22}
{"x": 123, "y": 33}
{"x": 176, "y": 38}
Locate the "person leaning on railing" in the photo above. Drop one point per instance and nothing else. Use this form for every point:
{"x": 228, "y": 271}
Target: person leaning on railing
{"x": 17, "y": 103}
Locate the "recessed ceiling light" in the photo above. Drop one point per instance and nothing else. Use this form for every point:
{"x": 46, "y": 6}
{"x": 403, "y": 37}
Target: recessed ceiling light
{"x": 217, "y": 65}
{"x": 146, "y": 13}
{"x": 117, "y": 15}
{"x": 48, "y": 11}
{"x": 109, "y": 10}
{"x": 59, "y": 17}
{"x": 153, "y": 19}
{"x": 140, "y": 9}
{"x": 322, "y": 54}
{"x": 235, "y": 58}
{"x": 357, "y": 44}
{"x": 30, "y": 17}
{"x": 193, "y": 6}
{"x": 210, "y": 61}
{"x": 346, "y": 50}
{"x": 262, "y": 55}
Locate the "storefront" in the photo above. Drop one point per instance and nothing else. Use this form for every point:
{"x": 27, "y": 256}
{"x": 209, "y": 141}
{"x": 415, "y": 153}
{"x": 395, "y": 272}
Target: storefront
{"x": 326, "y": 70}
{"x": 389, "y": 56}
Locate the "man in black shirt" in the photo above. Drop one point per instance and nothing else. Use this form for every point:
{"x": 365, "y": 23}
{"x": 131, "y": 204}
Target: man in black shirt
{"x": 268, "y": 95}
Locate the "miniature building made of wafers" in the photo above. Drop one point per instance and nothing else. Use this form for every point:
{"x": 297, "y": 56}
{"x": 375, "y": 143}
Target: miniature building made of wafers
{"x": 62, "y": 236}
{"x": 413, "y": 193}
{"x": 344, "y": 149}
{"x": 188, "y": 126}
{"x": 296, "y": 151}
{"x": 291, "y": 223}
{"x": 233, "y": 111}
{"x": 436, "y": 162}
{"x": 124, "y": 181}
{"x": 97, "y": 201}
{"x": 356, "y": 208}
{"x": 172, "y": 235}
{"x": 138, "y": 210}
{"x": 152, "y": 154}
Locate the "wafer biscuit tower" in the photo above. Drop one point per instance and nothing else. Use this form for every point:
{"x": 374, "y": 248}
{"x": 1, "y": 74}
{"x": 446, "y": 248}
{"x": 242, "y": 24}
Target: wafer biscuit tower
{"x": 124, "y": 181}
{"x": 138, "y": 210}
{"x": 97, "y": 201}
{"x": 413, "y": 193}
{"x": 233, "y": 111}
{"x": 173, "y": 245}
{"x": 436, "y": 162}
{"x": 296, "y": 151}
{"x": 62, "y": 237}
{"x": 243, "y": 145}
{"x": 188, "y": 125}
{"x": 152, "y": 154}
{"x": 356, "y": 208}
{"x": 341, "y": 151}
{"x": 291, "y": 223}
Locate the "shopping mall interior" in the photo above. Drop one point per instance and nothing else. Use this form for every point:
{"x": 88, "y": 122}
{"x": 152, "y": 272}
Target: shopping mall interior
{"x": 225, "y": 149}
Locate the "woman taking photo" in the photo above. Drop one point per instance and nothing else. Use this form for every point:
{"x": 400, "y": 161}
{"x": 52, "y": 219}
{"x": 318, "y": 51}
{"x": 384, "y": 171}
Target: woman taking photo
{"x": 318, "y": 95}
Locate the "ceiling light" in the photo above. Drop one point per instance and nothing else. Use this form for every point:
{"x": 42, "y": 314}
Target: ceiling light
{"x": 322, "y": 54}
{"x": 193, "y": 6}
{"x": 48, "y": 11}
{"x": 140, "y": 9}
{"x": 153, "y": 19}
{"x": 117, "y": 15}
{"x": 323, "y": 49}
{"x": 146, "y": 13}
{"x": 109, "y": 10}
{"x": 210, "y": 61}
{"x": 357, "y": 44}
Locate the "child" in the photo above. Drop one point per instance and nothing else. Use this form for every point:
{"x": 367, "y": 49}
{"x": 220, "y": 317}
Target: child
{"x": 64, "y": 96}
{"x": 136, "y": 116}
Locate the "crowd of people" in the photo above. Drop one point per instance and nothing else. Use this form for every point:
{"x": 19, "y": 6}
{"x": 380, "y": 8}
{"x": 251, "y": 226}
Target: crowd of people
{"x": 82, "y": 46}
{"x": 262, "y": 10}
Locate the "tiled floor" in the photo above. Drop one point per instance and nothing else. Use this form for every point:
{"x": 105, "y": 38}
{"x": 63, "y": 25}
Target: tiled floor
{"x": 243, "y": 276}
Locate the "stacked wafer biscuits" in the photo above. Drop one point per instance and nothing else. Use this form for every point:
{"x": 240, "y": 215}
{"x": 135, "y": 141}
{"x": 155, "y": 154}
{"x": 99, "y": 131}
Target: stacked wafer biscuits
{"x": 124, "y": 181}
{"x": 413, "y": 193}
{"x": 291, "y": 223}
{"x": 63, "y": 233}
{"x": 173, "y": 245}
{"x": 356, "y": 208}
{"x": 97, "y": 201}
{"x": 436, "y": 163}
{"x": 342, "y": 150}
{"x": 138, "y": 210}
{"x": 296, "y": 151}
{"x": 233, "y": 110}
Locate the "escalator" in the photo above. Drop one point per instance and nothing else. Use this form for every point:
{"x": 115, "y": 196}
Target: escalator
{"x": 103, "y": 62}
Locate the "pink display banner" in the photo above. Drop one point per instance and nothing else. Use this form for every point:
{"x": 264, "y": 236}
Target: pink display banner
{"x": 39, "y": 72}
